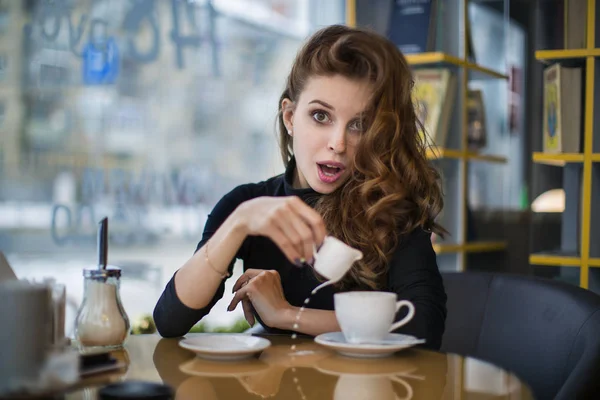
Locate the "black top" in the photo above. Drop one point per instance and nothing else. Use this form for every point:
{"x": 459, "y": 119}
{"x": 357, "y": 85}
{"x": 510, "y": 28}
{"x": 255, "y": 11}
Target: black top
{"x": 413, "y": 271}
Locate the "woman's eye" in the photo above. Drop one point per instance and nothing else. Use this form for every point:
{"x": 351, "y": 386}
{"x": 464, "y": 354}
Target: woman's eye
{"x": 356, "y": 126}
{"x": 320, "y": 117}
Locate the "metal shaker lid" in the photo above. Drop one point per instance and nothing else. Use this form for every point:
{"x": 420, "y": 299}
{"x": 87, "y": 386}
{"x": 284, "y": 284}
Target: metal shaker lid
{"x": 109, "y": 272}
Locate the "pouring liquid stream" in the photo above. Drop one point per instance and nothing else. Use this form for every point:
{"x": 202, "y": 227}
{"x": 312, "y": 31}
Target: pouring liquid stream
{"x": 301, "y": 310}
{"x": 332, "y": 261}
{"x": 295, "y": 335}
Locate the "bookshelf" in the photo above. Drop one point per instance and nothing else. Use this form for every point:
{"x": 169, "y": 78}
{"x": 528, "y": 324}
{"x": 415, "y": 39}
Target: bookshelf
{"x": 549, "y": 56}
{"x": 454, "y": 157}
{"x": 578, "y": 255}
{"x": 440, "y": 59}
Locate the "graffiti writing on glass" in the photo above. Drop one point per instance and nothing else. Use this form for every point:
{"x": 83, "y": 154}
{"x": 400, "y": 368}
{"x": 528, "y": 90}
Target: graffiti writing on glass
{"x": 127, "y": 199}
{"x": 178, "y": 39}
{"x": 140, "y": 14}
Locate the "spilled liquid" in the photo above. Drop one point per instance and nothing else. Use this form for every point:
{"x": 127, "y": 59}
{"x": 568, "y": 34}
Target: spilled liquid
{"x": 297, "y": 327}
{"x": 298, "y": 387}
{"x": 294, "y": 336}
{"x": 299, "y": 314}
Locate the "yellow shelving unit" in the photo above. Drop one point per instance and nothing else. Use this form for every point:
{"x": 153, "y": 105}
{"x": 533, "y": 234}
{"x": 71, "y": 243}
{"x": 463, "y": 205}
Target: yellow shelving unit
{"x": 594, "y": 262}
{"x": 553, "y": 260}
{"x": 473, "y": 71}
{"x": 557, "y": 159}
{"x": 469, "y": 155}
{"x": 447, "y": 248}
{"x": 563, "y": 158}
{"x": 478, "y": 70}
{"x": 586, "y": 57}
{"x": 483, "y": 246}
{"x": 462, "y": 155}
{"x": 439, "y": 153}
{"x": 549, "y": 56}
{"x": 469, "y": 247}
{"x": 439, "y": 58}
{"x": 432, "y": 58}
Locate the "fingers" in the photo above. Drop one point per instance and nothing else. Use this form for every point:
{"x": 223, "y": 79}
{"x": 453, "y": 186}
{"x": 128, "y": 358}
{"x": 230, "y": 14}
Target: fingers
{"x": 303, "y": 239}
{"x": 245, "y": 278}
{"x": 312, "y": 218}
{"x": 263, "y": 291}
{"x": 241, "y": 286}
{"x": 242, "y": 280}
{"x": 248, "y": 311}
{"x": 239, "y": 296}
{"x": 291, "y": 227}
{"x": 302, "y": 229}
{"x": 285, "y": 245}
{"x": 291, "y": 224}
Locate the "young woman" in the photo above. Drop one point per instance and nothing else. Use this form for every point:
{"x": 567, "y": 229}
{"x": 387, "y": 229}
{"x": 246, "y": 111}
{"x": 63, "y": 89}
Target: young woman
{"x": 356, "y": 168}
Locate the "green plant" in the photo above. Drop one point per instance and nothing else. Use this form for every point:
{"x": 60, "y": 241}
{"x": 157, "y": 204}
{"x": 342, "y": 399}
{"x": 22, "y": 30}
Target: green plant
{"x": 198, "y": 328}
{"x": 145, "y": 324}
{"x": 238, "y": 326}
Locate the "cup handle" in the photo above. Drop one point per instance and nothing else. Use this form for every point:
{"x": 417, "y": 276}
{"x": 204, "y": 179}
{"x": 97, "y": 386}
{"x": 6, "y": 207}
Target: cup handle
{"x": 403, "y": 321}
{"x": 409, "y": 389}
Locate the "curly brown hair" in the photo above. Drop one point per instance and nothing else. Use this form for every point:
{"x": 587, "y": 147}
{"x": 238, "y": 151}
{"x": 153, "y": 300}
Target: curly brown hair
{"x": 393, "y": 188}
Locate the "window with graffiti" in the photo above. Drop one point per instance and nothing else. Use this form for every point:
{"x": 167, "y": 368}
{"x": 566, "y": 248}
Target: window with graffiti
{"x": 143, "y": 111}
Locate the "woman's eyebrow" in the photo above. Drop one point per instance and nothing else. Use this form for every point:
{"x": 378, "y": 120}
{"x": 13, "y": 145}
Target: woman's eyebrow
{"x": 332, "y": 108}
{"x": 324, "y": 104}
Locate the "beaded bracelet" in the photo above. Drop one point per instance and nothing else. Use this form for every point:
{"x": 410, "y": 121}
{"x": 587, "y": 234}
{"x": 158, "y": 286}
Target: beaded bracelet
{"x": 223, "y": 276}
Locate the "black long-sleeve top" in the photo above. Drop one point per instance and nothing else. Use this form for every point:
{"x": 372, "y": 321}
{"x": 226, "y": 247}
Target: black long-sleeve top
{"x": 413, "y": 272}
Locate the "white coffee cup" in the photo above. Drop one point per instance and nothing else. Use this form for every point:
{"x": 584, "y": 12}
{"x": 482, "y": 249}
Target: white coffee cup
{"x": 335, "y": 258}
{"x": 369, "y": 316}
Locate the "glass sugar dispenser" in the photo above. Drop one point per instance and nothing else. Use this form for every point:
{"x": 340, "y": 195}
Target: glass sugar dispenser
{"x": 101, "y": 323}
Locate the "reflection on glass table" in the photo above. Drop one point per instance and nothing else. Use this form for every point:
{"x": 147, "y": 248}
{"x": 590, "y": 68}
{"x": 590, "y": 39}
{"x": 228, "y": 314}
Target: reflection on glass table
{"x": 308, "y": 372}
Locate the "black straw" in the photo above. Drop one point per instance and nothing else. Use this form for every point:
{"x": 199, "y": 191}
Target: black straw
{"x": 102, "y": 243}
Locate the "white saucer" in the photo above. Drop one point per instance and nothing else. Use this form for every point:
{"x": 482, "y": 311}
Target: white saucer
{"x": 224, "y": 347}
{"x": 393, "y": 342}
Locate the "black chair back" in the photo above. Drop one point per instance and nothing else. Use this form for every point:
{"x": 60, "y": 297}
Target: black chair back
{"x": 544, "y": 331}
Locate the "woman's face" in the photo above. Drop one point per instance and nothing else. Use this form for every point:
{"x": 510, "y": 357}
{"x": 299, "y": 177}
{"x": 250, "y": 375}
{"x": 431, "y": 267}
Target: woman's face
{"x": 326, "y": 125}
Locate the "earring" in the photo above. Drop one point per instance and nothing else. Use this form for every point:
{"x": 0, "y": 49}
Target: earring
{"x": 290, "y": 132}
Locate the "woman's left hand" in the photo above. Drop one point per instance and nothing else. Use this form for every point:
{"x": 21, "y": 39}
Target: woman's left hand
{"x": 261, "y": 290}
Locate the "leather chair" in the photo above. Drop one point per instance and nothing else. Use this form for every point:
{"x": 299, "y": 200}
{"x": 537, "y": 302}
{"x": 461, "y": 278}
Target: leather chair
{"x": 545, "y": 332}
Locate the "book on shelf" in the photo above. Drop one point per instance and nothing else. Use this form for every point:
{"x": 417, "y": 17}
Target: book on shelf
{"x": 412, "y": 25}
{"x": 562, "y": 109}
{"x": 556, "y": 252}
{"x": 433, "y": 96}
{"x": 575, "y": 23}
{"x": 477, "y": 133}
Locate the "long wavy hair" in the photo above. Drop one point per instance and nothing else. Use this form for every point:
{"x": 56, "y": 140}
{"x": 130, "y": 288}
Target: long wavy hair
{"x": 393, "y": 188}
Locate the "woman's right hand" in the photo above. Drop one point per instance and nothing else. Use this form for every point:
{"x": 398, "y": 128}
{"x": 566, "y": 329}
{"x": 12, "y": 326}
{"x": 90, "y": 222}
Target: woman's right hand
{"x": 288, "y": 221}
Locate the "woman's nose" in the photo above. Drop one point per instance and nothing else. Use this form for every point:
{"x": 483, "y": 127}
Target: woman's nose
{"x": 337, "y": 141}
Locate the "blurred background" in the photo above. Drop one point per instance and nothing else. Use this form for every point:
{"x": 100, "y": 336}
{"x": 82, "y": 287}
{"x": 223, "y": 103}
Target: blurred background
{"x": 148, "y": 111}
{"x": 143, "y": 111}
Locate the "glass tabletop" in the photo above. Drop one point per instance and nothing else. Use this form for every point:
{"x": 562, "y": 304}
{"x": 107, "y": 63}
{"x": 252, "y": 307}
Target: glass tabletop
{"x": 307, "y": 371}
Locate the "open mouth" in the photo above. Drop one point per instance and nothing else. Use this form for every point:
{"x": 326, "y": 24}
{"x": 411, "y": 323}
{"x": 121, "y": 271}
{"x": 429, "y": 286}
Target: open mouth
{"x": 330, "y": 172}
